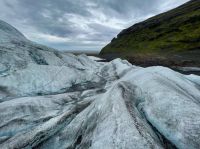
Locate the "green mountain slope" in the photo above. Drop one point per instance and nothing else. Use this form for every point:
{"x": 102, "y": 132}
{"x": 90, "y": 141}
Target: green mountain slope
{"x": 174, "y": 32}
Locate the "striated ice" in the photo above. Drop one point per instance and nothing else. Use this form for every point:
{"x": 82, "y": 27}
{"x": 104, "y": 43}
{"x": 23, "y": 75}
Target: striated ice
{"x": 54, "y": 100}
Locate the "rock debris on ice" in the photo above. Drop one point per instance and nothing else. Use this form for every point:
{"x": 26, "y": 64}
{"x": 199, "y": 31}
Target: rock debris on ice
{"x": 52, "y": 100}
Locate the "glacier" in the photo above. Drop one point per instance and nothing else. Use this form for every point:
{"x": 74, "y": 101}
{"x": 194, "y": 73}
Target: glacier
{"x": 55, "y": 100}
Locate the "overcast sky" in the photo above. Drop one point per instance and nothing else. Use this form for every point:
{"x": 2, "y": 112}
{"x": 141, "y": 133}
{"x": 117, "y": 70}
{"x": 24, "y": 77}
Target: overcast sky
{"x": 86, "y": 25}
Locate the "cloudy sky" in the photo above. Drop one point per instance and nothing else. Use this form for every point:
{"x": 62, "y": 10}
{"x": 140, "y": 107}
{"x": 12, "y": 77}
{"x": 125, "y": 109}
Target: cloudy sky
{"x": 76, "y": 25}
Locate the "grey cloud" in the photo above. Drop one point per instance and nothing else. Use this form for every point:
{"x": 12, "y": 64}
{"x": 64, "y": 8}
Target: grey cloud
{"x": 94, "y": 22}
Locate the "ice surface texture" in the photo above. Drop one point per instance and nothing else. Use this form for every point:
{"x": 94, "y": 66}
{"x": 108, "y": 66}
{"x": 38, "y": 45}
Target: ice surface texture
{"x": 52, "y": 100}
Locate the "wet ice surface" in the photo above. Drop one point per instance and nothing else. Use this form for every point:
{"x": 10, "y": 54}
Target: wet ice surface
{"x": 51, "y": 100}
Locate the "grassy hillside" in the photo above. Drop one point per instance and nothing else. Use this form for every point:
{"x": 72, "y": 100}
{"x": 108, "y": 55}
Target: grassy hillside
{"x": 174, "y": 32}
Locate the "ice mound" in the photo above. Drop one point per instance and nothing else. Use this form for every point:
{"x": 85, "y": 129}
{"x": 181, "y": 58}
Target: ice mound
{"x": 53, "y": 100}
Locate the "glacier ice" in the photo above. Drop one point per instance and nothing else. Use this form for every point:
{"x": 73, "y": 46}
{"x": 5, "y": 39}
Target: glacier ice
{"x": 54, "y": 100}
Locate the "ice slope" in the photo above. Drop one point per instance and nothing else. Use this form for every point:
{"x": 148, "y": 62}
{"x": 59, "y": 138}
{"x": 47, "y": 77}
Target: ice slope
{"x": 9, "y": 33}
{"x": 135, "y": 107}
{"x": 51, "y": 100}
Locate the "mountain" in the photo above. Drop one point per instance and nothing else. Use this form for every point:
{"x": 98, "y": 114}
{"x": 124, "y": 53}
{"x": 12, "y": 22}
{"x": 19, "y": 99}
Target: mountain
{"x": 173, "y": 35}
{"x": 55, "y": 100}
